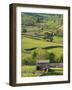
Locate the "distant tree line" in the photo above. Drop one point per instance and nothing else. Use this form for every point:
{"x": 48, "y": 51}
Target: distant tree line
{"x": 50, "y": 22}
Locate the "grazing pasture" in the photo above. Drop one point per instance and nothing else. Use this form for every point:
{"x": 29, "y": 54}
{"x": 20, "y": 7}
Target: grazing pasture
{"x": 30, "y": 71}
{"x": 41, "y": 39}
{"x": 27, "y": 45}
{"x": 31, "y": 43}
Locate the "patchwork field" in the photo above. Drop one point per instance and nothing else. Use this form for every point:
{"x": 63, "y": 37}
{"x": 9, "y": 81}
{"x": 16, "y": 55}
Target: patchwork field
{"x": 31, "y": 43}
{"x": 41, "y": 41}
{"x": 27, "y": 52}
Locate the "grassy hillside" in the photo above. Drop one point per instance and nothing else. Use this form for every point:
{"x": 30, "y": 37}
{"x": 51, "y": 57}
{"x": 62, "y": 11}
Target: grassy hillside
{"x": 31, "y": 43}
{"x": 38, "y": 21}
{"x": 42, "y": 39}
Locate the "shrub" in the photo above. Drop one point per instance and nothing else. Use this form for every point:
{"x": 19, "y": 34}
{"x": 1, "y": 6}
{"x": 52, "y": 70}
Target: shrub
{"x": 41, "y": 54}
{"x": 28, "y": 60}
{"x": 34, "y": 54}
{"x": 24, "y": 30}
{"x": 52, "y": 57}
{"x": 61, "y": 59}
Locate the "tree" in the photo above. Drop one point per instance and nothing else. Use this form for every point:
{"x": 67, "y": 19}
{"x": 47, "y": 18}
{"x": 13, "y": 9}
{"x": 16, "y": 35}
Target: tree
{"x": 34, "y": 55}
{"x": 61, "y": 59}
{"x": 52, "y": 57}
{"x": 41, "y": 54}
{"x": 49, "y": 35}
{"x": 24, "y": 30}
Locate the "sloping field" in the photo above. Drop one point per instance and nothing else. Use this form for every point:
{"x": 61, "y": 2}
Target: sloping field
{"x": 32, "y": 43}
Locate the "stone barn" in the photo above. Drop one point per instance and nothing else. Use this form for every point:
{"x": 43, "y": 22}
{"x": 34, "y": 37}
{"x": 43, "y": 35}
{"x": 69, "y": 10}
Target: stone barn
{"x": 46, "y": 65}
{"x": 42, "y": 65}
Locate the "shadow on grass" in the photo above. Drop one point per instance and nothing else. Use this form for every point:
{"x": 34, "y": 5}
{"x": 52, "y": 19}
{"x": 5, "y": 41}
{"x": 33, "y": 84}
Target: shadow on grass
{"x": 51, "y": 72}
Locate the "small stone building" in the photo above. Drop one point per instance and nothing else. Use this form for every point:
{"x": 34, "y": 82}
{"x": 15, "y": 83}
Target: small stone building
{"x": 46, "y": 65}
{"x": 42, "y": 64}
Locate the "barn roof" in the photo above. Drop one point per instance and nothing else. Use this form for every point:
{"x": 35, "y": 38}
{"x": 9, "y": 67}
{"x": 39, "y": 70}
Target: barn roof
{"x": 43, "y": 61}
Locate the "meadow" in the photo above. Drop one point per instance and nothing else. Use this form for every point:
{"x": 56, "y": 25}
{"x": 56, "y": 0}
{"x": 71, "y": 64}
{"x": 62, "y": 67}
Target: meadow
{"x": 41, "y": 39}
{"x": 30, "y": 71}
{"x": 29, "y": 43}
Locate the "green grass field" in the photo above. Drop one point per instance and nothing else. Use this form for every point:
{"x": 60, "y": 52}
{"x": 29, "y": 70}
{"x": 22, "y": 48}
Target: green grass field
{"x": 30, "y": 71}
{"x": 41, "y": 39}
{"x": 58, "y": 39}
{"x": 31, "y": 43}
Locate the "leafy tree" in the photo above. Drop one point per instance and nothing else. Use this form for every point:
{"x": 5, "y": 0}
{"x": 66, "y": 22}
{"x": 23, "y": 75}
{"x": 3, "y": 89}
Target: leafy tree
{"x": 52, "y": 57}
{"x": 24, "y": 30}
{"x": 49, "y": 35}
{"x": 34, "y": 55}
{"x": 61, "y": 59}
{"x": 41, "y": 54}
{"x": 28, "y": 60}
